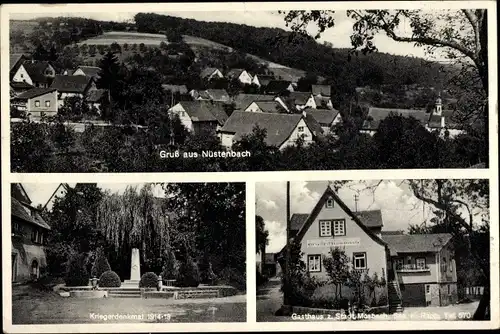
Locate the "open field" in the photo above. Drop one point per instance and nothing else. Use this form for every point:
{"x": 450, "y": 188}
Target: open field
{"x": 122, "y": 37}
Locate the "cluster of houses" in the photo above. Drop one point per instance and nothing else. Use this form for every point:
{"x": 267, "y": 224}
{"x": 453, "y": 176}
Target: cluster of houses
{"x": 283, "y": 112}
{"x": 37, "y": 89}
{"x": 418, "y": 269}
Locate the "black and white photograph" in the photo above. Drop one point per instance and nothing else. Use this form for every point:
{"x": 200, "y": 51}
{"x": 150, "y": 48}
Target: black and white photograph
{"x": 357, "y": 250}
{"x": 128, "y": 253}
{"x": 248, "y": 90}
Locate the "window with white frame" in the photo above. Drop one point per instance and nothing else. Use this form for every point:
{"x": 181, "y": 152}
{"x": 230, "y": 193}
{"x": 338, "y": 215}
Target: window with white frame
{"x": 329, "y": 203}
{"x": 359, "y": 261}
{"x": 420, "y": 263}
{"x": 325, "y": 228}
{"x": 314, "y": 263}
{"x": 301, "y": 129}
{"x": 47, "y": 103}
{"x": 37, "y": 103}
{"x": 339, "y": 227}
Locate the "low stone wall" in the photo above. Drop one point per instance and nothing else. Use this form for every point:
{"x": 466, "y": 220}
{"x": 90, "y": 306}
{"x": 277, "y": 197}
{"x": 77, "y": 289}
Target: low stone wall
{"x": 89, "y": 294}
{"x": 158, "y": 294}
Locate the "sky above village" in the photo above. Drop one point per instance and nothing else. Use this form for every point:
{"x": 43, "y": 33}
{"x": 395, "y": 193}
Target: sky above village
{"x": 394, "y": 198}
{"x": 339, "y": 35}
{"x": 40, "y": 193}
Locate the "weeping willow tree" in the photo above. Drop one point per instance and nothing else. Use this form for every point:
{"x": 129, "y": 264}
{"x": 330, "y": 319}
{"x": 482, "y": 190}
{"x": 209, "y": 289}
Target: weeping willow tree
{"x": 135, "y": 219}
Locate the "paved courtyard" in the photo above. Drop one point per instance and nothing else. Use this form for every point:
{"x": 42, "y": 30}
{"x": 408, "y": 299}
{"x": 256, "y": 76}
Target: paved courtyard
{"x": 270, "y": 298}
{"x": 30, "y": 306}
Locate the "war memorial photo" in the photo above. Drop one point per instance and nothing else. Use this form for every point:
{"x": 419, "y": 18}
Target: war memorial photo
{"x": 412, "y": 250}
{"x": 180, "y": 91}
{"x": 118, "y": 253}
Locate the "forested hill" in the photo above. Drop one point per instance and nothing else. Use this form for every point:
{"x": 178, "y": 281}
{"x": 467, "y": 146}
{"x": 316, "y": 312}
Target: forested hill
{"x": 280, "y": 46}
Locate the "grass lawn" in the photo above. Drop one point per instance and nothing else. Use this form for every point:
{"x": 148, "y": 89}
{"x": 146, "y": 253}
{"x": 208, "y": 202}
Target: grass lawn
{"x": 31, "y": 306}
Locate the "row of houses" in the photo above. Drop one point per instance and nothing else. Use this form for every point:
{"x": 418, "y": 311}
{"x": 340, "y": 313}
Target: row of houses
{"x": 37, "y": 89}
{"x": 419, "y": 269}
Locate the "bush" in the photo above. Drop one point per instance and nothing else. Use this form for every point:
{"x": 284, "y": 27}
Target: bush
{"x": 189, "y": 275}
{"x": 148, "y": 280}
{"x": 77, "y": 274}
{"x": 170, "y": 270}
{"x": 101, "y": 264}
{"x": 109, "y": 279}
{"x": 383, "y": 301}
{"x": 234, "y": 278}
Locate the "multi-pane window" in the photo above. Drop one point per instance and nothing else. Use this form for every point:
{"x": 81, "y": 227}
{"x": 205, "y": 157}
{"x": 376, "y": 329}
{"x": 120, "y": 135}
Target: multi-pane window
{"x": 301, "y": 129}
{"x": 338, "y": 227}
{"x": 359, "y": 260}
{"x": 420, "y": 263}
{"x": 325, "y": 228}
{"x": 329, "y": 203}
{"x": 314, "y": 263}
{"x": 399, "y": 263}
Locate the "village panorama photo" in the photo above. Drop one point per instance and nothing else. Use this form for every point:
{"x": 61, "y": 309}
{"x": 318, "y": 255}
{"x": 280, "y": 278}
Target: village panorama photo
{"x": 411, "y": 250}
{"x": 127, "y": 253}
{"x": 201, "y": 91}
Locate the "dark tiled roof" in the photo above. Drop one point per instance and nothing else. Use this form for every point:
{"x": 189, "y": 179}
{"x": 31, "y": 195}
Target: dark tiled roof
{"x": 27, "y": 213}
{"x": 377, "y": 115}
{"x": 205, "y": 111}
{"x": 36, "y": 71}
{"x": 96, "y": 95}
{"x": 324, "y": 117}
{"x": 297, "y": 221}
{"x": 20, "y": 85}
{"x": 268, "y": 106}
{"x": 322, "y": 102}
{"x": 299, "y": 98}
{"x": 371, "y": 218}
{"x": 416, "y": 243}
{"x": 208, "y": 72}
{"x": 34, "y": 92}
{"x": 324, "y": 90}
{"x": 392, "y": 233}
{"x": 242, "y": 101}
{"x": 449, "y": 120}
{"x": 15, "y": 59}
{"x": 234, "y": 73}
{"x": 313, "y": 125}
{"x": 265, "y": 79}
{"x": 18, "y": 192}
{"x": 217, "y": 94}
{"x": 91, "y": 71}
{"x": 277, "y": 86}
{"x": 71, "y": 83}
{"x": 182, "y": 89}
{"x": 279, "y": 127}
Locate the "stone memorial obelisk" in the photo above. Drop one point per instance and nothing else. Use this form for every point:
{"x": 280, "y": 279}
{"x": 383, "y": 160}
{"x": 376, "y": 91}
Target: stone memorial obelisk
{"x": 135, "y": 266}
{"x": 135, "y": 271}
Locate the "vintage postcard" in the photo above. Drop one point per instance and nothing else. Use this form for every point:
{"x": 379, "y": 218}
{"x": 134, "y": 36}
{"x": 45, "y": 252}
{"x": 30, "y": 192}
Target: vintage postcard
{"x": 248, "y": 166}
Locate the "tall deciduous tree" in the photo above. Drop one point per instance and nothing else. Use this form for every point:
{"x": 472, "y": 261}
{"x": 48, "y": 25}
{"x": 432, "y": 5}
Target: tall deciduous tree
{"x": 261, "y": 235}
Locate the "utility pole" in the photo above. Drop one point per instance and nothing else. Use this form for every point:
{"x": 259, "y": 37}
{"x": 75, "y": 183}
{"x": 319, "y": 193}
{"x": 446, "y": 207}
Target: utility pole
{"x": 288, "y": 245}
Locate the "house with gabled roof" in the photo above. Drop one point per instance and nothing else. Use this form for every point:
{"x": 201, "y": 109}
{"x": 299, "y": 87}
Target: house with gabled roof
{"x": 265, "y": 106}
{"x": 17, "y": 88}
{"x": 200, "y": 116}
{"x": 211, "y": 94}
{"x": 242, "y": 101}
{"x": 72, "y": 85}
{"x": 437, "y": 120}
{"x": 29, "y": 232}
{"x": 36, "y": 73}
{"x": 282, "y": 130}
{"x": 325, "y": 117}
{"x": 419, "y": 269}
{"x": 241, "y": 74}
{"x": 211, "y": 73}
{"x": 321, "y": 90}
{"x": 90, "y": 71}
{"x": 278, "y": 87}
{"x": 262, "y": 79}
{"x": 61, "y": 191}
{"x": 37, "y": 102}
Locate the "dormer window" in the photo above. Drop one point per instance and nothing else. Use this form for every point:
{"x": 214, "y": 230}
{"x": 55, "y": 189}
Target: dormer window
{"x": 329, "y": 203}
